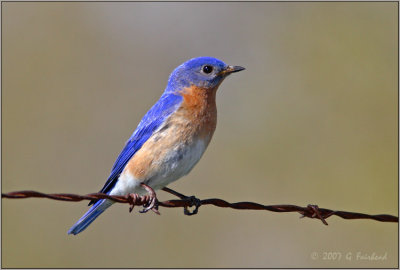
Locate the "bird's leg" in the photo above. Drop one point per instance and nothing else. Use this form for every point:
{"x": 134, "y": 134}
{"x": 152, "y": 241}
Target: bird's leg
{"x": 173, "y": 192}
{"x": 152, "y": 204}
{"x": 193, "y": 201}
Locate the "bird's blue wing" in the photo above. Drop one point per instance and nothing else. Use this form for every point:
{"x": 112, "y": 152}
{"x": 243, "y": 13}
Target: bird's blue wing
{"x": 165, "y": 106}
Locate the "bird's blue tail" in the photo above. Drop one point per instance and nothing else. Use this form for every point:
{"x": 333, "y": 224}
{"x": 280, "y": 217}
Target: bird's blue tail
{"x": 95, "y": 211}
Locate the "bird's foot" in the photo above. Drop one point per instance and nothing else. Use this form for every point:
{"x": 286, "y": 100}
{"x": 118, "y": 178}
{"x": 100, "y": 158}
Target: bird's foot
{"x": 132, "y": 198}
{"x": 152, "y": 202}
{"x": 192, "y": 201}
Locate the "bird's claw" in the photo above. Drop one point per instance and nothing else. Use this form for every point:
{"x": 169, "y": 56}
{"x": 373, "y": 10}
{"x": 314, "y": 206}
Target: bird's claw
{"x": 193, "y": 201}
{"x": 132, "y": 199}
{"x": 152, "y": 203}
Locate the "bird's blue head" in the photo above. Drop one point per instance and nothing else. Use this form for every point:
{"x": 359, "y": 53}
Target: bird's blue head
{"x": 203, "y": 72}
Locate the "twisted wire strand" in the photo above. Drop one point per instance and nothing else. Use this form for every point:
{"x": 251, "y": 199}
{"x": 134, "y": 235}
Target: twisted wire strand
{"x": 310, "y": 211}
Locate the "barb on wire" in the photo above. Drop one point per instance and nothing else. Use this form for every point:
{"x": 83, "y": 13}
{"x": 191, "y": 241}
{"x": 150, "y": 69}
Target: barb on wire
{"x": 310, "y": 211}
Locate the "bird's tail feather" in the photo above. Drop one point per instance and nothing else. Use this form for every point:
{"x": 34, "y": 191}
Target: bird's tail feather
{"x": 95, "y": 211}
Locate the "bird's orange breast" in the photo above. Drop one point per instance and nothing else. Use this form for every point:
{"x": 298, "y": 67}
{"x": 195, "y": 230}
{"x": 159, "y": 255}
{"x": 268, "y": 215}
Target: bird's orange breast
{"x": 199, "y": 108}
{"x": 190, "y": 127}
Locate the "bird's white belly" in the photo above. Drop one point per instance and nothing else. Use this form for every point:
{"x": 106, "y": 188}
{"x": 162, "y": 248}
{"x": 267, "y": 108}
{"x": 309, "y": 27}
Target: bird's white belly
{"x": 167, "y": 167}
{"x": 177, "y": 162}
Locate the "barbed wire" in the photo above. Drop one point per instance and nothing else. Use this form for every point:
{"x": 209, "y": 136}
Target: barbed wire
{"x": 310, "y": 211}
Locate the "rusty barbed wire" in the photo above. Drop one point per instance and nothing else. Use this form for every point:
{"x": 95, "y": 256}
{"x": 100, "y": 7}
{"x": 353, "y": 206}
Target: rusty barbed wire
{"x": 310, "y": 211}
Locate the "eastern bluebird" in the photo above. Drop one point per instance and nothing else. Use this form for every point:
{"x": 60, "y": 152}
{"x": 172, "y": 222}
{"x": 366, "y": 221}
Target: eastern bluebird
{"x": 171, "y": 137}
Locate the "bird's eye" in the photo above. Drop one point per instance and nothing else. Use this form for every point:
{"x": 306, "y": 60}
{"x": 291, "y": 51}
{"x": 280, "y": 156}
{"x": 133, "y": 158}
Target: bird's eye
{"x": 207, "y": 69}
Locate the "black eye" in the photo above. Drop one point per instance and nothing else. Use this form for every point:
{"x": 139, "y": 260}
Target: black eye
{"x": 207, "y": 69}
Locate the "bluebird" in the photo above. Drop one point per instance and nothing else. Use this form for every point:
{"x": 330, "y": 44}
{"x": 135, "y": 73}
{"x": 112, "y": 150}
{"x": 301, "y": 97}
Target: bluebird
{"x": 171, "y": 137}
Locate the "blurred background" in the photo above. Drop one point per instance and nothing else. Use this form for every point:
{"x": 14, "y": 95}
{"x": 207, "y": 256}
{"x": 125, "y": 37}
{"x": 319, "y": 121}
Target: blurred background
{"x": 313, "y": 119}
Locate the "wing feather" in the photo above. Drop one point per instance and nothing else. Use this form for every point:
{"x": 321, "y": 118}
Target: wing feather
{"x": 165, "y": 106}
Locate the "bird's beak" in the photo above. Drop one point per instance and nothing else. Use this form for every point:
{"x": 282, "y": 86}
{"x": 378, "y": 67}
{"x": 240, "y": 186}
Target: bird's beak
{"x": 231, "y": 69}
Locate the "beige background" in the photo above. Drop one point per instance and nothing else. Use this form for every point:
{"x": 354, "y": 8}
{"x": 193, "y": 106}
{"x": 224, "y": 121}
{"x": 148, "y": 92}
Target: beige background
{"x": 313, "y": 119}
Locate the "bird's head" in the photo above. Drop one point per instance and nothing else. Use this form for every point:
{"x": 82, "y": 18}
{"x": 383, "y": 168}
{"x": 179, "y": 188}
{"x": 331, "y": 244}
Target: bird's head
{"x": 202, "y": 72}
